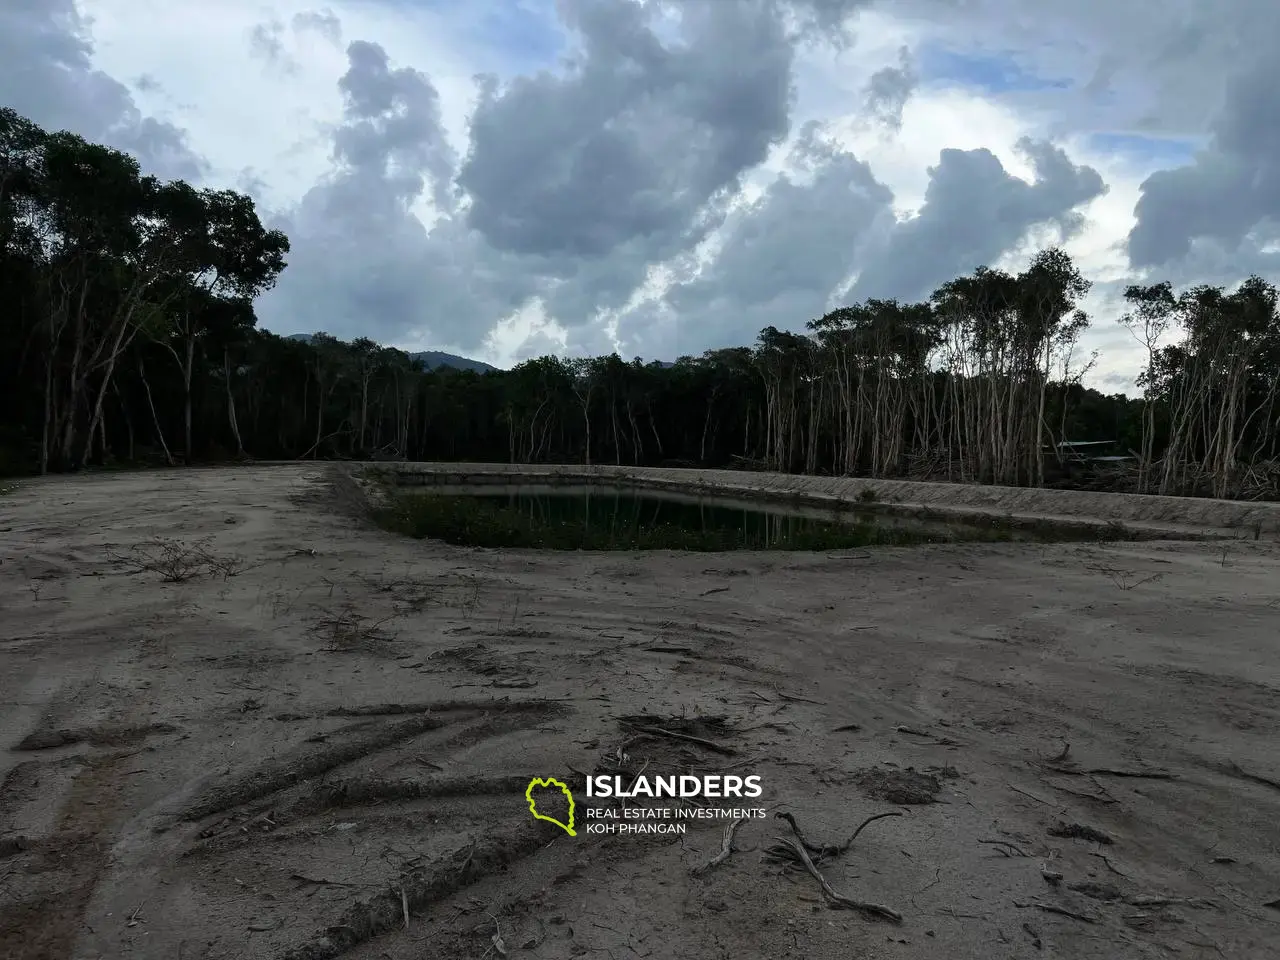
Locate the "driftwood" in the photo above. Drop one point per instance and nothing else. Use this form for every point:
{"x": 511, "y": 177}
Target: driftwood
{"x": 726, "y": 848}
{"x": 837, "y": 900}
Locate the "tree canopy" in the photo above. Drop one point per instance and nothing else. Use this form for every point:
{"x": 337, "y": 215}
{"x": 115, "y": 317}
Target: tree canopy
{"x": 130, "y": 336}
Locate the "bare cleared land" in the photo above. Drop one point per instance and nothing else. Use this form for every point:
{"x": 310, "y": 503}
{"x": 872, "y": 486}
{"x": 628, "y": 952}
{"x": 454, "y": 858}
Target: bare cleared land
{"x": 238, "y": 722}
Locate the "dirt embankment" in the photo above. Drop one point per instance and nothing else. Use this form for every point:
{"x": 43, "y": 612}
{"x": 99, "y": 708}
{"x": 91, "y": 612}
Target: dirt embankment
{"x": 238, "y": 723}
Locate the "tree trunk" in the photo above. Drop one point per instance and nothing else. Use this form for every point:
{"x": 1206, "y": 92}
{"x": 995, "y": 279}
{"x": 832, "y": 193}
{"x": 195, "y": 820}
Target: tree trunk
{"x": 706, "y": 425}
{"x": 364, "y": 407}
{"x": 231, "y": 403}
{"x": 128, "y": 421}
{"x": 187, "y": 366}
{"x": 146, "y": 386}
{"x": 320, "y": 398}
{"x": 117, "y": 347}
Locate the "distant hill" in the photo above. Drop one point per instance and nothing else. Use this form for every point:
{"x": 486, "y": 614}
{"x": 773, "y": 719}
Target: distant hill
{"x": 434, "y": 359}
{"x": 431, "y": 359}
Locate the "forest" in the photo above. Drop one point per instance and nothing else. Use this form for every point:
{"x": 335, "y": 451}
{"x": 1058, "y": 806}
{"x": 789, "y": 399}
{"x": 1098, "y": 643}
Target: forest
{"x": 131, "y": 339}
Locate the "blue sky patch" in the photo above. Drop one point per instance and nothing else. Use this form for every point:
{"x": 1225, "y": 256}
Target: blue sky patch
{"x": 991, "y": 72}
{"x": 519, "y": 35}
{"x": 1150, "y": 151}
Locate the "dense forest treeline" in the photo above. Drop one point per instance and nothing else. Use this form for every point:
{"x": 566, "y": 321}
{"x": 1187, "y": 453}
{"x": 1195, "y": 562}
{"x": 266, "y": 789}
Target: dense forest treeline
{"x": 130, "y": 336}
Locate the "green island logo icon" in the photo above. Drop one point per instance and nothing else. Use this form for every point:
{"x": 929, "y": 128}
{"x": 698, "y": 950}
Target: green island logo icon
{"x": 550, "y": 783}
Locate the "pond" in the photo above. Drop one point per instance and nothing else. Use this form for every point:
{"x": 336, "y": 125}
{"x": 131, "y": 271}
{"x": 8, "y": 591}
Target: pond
{"x": 618, "y": 518}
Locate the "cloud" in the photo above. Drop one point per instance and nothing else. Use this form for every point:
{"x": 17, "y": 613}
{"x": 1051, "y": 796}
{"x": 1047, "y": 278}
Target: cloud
{"x": 825, "y": 20}
{"x": 1229, "y": 196}
{"x": 393, "y": 136}
{"x": 265, "y": 42}
{"x": 633, "y": 144}
{"x": 323, "y": 23}
{"x": 975, "y": 211}
{"x": 781, "y": 258}
{"x": 47, "y": 75}
{"x": 361, "y": 257}
{"x": 573, "y": 186}
{"x": 670, "y": 175}
{"x": 889, "y": 89}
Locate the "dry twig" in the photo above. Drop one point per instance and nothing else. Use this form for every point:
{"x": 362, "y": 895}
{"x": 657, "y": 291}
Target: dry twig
{"x": 709, "y": 744}
{"x": 834, "y": 899}
{"x": 795, "y": 699}
{"x": 1079, "y": 831}
{"x": 1000, "y": 845}
{"x": 825, "y": 851}
{"x": 1060, "y": 911}
{"x": 726, "y": 848}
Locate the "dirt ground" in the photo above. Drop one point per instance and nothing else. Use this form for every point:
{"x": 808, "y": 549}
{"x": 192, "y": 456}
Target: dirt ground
{"x": 238, "y": 722}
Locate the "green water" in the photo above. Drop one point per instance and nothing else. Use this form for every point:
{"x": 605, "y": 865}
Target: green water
{"x": 608, "y": 518}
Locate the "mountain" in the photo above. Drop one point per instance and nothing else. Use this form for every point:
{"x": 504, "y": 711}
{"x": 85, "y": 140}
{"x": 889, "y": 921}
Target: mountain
{"x": 431, "y": 359}
{"x": 434, "y": 359}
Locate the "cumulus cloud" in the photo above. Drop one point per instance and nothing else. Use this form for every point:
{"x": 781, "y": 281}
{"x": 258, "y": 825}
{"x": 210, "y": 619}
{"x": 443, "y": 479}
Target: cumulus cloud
{"x": 363, "y": 261}
{"x": 636, "y": 141}
{"x": 782, "y": 257}
{"x": 974, "y": 211}
{"x": 575, "y": 183}
{"x": 642, "y": 173}
{"x": 1228, "y": 199}
{"x": 825, "y": 20}
{"x": 889, "y": 89}
{"x": 47, "y": 74}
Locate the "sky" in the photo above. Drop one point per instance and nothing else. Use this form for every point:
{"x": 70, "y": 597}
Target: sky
{"x": 505, "y": 179}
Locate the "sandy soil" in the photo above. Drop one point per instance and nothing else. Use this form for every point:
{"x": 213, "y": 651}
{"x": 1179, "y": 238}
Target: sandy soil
{"x": 321, "y": 731}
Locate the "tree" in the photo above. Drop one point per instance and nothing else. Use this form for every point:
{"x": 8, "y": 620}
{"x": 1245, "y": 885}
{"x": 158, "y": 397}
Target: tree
{"x": 225, "y": 258}
{"x": 129, "y": 321}
{"x": 94, "y": 254}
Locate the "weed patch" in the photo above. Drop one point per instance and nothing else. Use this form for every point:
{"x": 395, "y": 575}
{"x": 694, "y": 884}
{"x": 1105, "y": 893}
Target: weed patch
{"x": 178, "y": 562}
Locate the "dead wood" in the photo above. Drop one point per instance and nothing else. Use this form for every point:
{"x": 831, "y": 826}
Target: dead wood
{"x": 320, "y": 881}
{"x": 726, "y": 848}
{"x": 1134, "y": 774}
{"x": 1013, "y": 850}
{"x": 912, "y": 732}
{"x": 784, "y": 854}
{"x": 1079, "y": 831}
{"x": 1060, "y": 911}
{"x": 795, "y": 699}
{"x": 836, "y": 900}
{"x": 1099, "y": 797}
{"x": 700, "y": 741}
